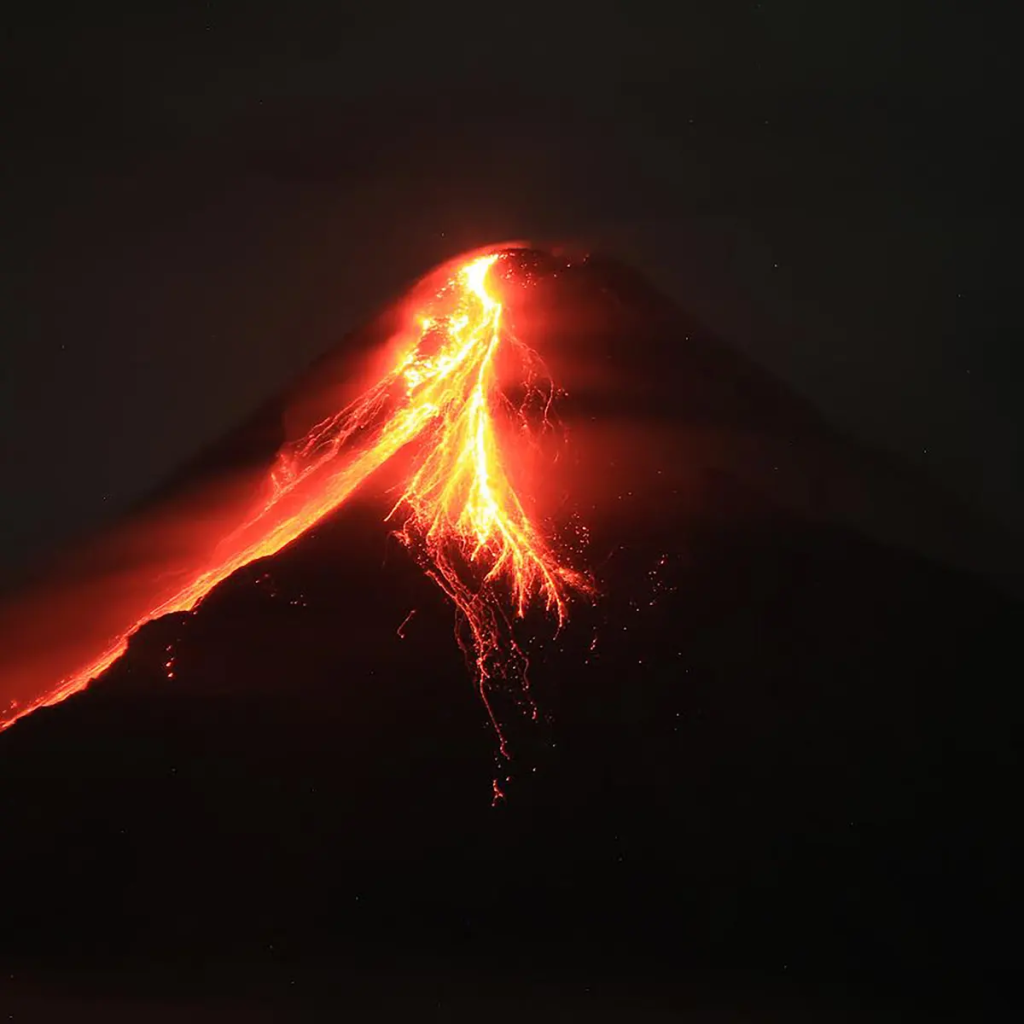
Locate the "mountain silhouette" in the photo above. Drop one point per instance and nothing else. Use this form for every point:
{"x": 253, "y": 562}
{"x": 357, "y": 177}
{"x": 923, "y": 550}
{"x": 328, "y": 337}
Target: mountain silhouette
{"x": 781, "y": 738}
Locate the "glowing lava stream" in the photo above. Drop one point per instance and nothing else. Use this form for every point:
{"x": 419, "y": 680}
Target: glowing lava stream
{"x": 464, "y": 522}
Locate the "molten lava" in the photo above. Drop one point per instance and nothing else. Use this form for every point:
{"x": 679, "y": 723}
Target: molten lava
{"x": 459, "y": 513}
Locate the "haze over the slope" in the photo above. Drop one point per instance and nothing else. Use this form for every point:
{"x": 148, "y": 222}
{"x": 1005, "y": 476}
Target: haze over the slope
{"x": 653, "y": 402}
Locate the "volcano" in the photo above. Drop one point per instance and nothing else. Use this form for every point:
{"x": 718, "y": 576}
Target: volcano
{"x": 740, "y": 705}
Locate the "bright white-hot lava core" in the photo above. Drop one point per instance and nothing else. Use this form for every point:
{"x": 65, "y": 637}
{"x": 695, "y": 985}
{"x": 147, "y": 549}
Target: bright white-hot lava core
{"x": 459, "y": 513}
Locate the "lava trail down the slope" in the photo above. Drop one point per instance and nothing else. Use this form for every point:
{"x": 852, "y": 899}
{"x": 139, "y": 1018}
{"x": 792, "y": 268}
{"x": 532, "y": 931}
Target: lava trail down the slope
{"x": 459, "y": 514}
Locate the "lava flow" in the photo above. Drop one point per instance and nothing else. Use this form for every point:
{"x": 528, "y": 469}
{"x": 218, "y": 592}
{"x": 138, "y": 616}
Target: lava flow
{"x": 459, "y": 513}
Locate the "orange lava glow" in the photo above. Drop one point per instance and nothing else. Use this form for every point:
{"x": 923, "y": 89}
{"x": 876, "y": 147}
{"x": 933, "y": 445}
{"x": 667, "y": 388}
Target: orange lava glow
{"x": 459, "y": 513}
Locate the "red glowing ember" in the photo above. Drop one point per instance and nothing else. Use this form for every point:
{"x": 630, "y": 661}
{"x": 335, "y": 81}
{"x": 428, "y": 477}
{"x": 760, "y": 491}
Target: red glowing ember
{"x": 459, "y": 513}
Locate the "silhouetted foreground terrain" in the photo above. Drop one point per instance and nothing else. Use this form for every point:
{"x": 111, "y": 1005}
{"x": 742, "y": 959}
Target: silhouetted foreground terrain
{"x": 773, "y": 746}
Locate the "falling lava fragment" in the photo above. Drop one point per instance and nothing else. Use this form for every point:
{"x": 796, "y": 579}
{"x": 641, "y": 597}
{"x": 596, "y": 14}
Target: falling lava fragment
{"x": 459, "y": 513}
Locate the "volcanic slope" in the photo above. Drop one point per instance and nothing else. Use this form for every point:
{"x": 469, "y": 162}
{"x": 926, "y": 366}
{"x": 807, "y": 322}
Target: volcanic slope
{"x": 778, "y": 735}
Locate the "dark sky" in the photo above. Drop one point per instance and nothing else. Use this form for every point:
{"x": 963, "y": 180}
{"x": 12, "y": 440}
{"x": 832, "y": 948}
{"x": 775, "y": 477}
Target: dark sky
{"x": 199, "y": 201}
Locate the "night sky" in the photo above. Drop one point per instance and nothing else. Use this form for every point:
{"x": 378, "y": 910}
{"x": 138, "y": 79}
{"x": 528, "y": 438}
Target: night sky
{"x": 198, "y": 202}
